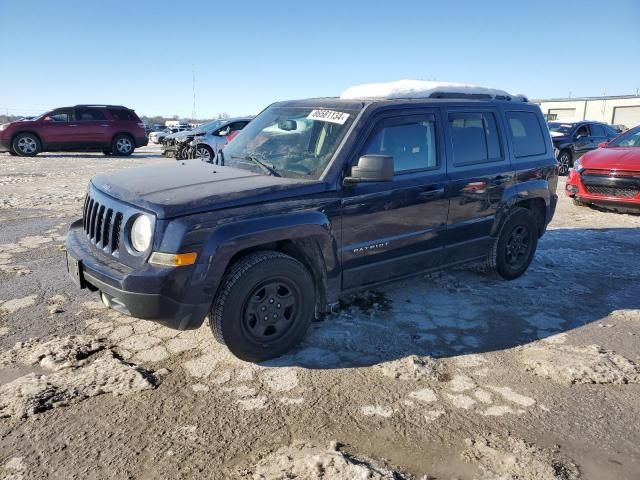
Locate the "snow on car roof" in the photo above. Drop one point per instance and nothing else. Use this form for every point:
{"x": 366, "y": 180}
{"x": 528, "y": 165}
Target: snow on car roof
{"x": 420, "y": 89}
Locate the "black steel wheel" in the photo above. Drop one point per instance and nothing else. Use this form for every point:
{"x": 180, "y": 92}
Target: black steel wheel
{"x": 264, "y": 305}
{"x": 515, "y": 246}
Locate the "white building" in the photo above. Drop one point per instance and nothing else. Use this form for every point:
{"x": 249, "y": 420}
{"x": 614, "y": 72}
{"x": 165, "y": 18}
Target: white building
{"x": 620, "y": 110}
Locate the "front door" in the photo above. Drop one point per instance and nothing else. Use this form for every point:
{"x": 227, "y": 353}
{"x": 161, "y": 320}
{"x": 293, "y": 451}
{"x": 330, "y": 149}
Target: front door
{"x": 479, "y": 170}
{"x": 391, "y": 229}
{"x": 59, "y": 129}
{"x": 583, "y": 142}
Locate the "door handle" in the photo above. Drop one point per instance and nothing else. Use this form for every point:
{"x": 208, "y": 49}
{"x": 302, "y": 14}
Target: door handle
{"x": 73, "y": 125}
{"x": 104, "y": 125}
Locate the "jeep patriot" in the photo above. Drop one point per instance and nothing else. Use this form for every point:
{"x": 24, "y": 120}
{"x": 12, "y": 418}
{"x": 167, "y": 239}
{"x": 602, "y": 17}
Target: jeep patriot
{"x": 315, "y": 199}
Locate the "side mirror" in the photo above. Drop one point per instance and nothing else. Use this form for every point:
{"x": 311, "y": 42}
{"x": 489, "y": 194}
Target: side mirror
{"x": 372, "y": 168}
{"x": 223, "y": 133}
{"x": 580, "y": 135}
{"x": 603, "y": 144}
{"x": 47, "y": 119}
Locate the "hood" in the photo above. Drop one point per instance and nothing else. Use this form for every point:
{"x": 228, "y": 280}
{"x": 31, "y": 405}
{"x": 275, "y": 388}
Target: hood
{"x": 179, "y": 134}
{"x": 619, "y": 158}
{"x": 184, "y": 188}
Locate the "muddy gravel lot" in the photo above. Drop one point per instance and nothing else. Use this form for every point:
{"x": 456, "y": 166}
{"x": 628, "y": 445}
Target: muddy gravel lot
{"x": 447, "y": 375}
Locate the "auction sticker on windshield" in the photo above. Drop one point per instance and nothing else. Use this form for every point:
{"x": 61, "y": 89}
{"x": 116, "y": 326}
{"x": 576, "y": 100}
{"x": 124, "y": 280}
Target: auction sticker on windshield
{"x": 329, "y": 116}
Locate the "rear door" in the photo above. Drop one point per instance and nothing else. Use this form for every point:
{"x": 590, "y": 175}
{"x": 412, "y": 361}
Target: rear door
{"x": 480, "y": 171}
{"x": 391, "y": 229}
{"x": 93, "y": 127}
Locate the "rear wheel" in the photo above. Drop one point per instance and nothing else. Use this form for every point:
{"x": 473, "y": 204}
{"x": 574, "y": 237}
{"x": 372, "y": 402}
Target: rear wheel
{"x": 122, "y": 145}
{"x": 564, "y": 162}
{"x": 107, "y": 152}
{"x": 26, "y": 145}
{"x": 515, "y": 246}
{"x": 12, "y": 153}
{"x": 264, "y": 306}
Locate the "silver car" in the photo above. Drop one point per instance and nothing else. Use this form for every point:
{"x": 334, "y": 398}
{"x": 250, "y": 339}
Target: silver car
{"x": 207, "y": 140}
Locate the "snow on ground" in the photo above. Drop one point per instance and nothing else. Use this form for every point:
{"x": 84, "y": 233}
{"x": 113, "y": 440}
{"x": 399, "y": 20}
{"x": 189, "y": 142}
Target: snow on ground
{"x": 403, "y": 375}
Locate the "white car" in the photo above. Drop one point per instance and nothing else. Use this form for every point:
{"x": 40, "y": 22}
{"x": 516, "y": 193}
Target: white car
{"x": 210, "y": 138}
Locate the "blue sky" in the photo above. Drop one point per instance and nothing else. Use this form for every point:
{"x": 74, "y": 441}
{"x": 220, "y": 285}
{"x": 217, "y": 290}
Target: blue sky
{"x": 248, "y": 54}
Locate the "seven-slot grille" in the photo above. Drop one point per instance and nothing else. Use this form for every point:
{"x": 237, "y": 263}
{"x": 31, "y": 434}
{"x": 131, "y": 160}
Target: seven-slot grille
{"x": 102, "y": 225}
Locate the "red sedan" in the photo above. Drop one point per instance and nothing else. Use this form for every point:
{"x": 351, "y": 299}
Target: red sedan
{"x": 609, "y": 176}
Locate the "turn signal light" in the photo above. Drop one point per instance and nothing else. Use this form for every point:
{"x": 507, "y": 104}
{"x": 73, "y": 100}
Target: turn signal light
{"x": 173, "y": 259}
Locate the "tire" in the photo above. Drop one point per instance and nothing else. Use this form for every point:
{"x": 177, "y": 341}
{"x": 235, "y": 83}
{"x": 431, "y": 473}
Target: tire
{"x": 565, "y": 162}
{"x": 12, "y": 153}
{"x": 122, "y": 145}
{"x": 107, "y": 152}
{"x": 26, "y": 145}
{"x": 205, "y": 153}
{"x": 265, "y": 283}
{"x": 515, "y": 246}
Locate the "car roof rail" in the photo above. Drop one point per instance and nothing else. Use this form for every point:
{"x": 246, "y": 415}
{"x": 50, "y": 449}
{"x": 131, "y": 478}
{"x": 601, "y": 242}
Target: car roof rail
{"x": 478, "y": 96}
{"x": 103, "y": 106}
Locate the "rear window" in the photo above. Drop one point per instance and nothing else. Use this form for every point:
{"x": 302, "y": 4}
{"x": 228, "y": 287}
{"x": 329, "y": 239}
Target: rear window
{"x": 124, "y": 115}
{"x": 526, "y": 133}
{"x": 475, "y": 138}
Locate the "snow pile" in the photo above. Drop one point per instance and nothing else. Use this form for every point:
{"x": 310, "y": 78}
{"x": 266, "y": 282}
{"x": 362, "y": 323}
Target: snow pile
{"x": 514, "y": 459}
{"x": 306, "y": 462}
{"x": 569, "y": 365}
{"x": 413, "y": 367}
{"x": 418, "y": 89}
{"x": 67, "y": 371}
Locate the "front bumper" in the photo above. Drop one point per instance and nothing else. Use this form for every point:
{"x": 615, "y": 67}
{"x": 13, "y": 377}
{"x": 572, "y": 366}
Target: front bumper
{"x": 605, "y": 190}
{"x": 5, "y": 145}
{"x": 150, "y": 292}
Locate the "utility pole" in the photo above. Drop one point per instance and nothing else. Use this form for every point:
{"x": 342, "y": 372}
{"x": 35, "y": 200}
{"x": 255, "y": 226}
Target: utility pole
{"x": 193, "y": 84}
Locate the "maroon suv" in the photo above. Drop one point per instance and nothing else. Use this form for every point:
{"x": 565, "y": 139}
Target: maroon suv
{"x": 111, "y": 129}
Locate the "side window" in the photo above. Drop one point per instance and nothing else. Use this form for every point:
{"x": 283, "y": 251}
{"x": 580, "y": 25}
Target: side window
{"x": 582, "y": 131}
{"x": 89, "y": 115}
{"x": 411, "y": 142}
{"x": 597, "y": 130}
{"x": 122, "y": 114}
{"x": 62, "y": 116}
{"x": 526, "y": 133}
{"x": 237, "y": 126}
{"x": 474, "y": 138}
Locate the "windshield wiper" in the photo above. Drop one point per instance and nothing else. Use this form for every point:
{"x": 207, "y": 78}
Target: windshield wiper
{"x": 270, "y": 169}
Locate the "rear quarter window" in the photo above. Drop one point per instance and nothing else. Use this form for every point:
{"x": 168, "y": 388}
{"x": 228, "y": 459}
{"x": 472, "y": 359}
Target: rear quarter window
{"x": 526, "y": 134}
{"x": 124, "y": 115}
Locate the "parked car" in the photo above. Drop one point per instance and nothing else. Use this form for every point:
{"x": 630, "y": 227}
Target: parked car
{"x": 316, "y": 199}
{"x": 111, "y": 129}
{"x": 205, "y": 141}
{"x": 159, "y": 136}
{"x": 609, "y": 176}
{"x": 574, "y": 139}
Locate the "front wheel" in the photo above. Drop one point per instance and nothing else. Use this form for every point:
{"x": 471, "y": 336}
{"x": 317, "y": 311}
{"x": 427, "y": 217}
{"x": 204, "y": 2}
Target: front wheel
{"x": 564, "y": 162}
{"x": 122, "y": 145}
{"x": 514, "y": 248}
{"x": 264, "y": 306}
{"x": 26, "y": 145}
{"x": 205, "y": 153}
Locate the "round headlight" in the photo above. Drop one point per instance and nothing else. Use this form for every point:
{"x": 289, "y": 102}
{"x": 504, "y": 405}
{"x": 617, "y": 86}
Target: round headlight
{"x": 141, "y": 233}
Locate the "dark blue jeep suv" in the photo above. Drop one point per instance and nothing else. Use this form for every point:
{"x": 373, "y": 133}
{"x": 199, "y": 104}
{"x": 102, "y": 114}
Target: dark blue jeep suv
{"x": 314, "y": 199}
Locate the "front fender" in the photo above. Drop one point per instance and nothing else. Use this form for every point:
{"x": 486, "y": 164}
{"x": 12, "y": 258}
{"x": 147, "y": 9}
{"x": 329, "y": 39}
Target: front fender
{"x": 226, "y": 241}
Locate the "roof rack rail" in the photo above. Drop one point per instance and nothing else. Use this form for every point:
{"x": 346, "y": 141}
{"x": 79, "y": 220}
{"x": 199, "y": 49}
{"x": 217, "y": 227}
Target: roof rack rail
{"x": 101, "y": 105}
{"x": 477, "y": 96}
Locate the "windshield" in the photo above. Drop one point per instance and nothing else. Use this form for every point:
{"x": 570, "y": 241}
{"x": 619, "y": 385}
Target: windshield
{"x": 564, "y": 128}
{"x": 209, "y": 126}
{"x": 628, "y": 139}
{"x": 290, "y": 141}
